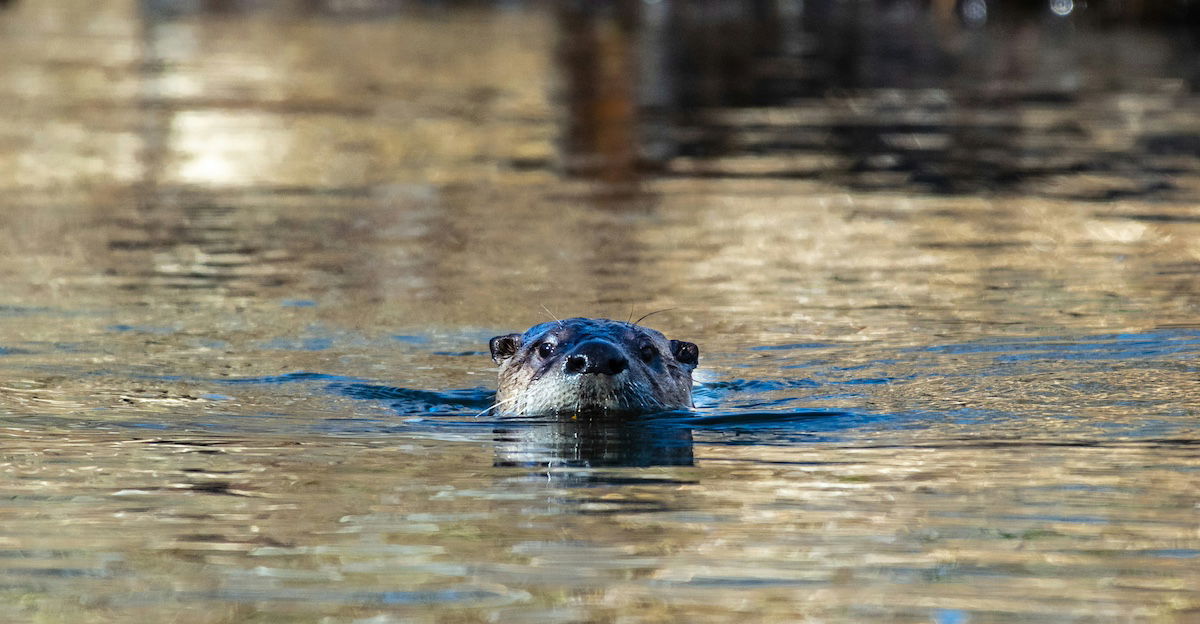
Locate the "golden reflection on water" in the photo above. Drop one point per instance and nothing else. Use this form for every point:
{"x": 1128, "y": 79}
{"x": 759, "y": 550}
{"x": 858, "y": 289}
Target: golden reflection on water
{"x": 155, "y": 526}
{"x": 199, "y": 199}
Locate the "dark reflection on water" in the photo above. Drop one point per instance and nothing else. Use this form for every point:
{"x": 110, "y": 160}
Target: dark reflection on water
{"x": 880, "y": 95}
{"x": 593, "y": 441}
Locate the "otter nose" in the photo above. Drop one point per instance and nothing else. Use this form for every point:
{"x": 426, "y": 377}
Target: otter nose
{"x": 596, "y": 356}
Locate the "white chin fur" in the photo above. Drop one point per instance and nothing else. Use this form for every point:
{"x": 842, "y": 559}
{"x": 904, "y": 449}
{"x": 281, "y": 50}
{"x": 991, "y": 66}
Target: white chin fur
{"x": 580, "y": 393}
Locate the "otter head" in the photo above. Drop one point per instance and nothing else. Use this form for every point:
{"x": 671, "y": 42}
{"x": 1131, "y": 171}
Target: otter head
{"x": 593, "y": 366}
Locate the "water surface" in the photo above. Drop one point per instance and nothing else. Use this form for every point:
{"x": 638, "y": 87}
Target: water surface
{"x": 251, "y": 256}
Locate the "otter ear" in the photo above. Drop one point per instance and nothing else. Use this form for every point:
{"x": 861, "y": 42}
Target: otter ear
{"x": 686, "y": 352}
{"x": 503, "y": 347}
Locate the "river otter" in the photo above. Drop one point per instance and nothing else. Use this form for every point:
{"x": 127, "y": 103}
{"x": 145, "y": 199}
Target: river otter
{"x": 584, "y": 365}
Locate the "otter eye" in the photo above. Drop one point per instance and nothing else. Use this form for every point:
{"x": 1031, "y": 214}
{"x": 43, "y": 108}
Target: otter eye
{"x": 545, "y": 349}
{"x": 686, "y": 352}
{"x": 647, "y": 353}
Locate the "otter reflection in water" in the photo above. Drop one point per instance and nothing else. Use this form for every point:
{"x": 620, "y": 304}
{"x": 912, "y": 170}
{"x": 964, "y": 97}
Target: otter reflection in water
{"x": 587, "y": 442}
{"x": 593, "y": 366}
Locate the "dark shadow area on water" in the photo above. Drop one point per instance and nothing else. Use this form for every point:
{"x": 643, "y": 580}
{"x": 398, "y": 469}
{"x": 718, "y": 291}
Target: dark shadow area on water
{"x": 947, "y": 98}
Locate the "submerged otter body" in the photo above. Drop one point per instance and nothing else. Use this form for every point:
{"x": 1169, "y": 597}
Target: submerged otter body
{"x": 584, "y": 365}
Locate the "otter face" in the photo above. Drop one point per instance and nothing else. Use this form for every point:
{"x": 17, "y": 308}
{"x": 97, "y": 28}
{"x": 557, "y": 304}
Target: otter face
{"x": 595, "y": 366}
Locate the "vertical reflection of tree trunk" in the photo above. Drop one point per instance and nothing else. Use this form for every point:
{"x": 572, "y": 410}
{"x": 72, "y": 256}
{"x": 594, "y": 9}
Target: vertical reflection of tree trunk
{"x": 154, "y": 116}
{"x": 597, "y": 55}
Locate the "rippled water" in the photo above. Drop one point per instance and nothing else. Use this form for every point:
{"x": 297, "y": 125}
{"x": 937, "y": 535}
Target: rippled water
{"x": 250, "y": 260}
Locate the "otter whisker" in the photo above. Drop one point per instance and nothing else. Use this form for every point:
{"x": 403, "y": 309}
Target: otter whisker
{"x": 644, "y": 316}
{"x": 556, "y": 319}
{"x": 498, "y": 404}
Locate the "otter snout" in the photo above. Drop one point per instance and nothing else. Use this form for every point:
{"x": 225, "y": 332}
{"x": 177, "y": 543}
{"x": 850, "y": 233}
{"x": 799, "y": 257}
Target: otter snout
{"x": 595, "y": 357}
